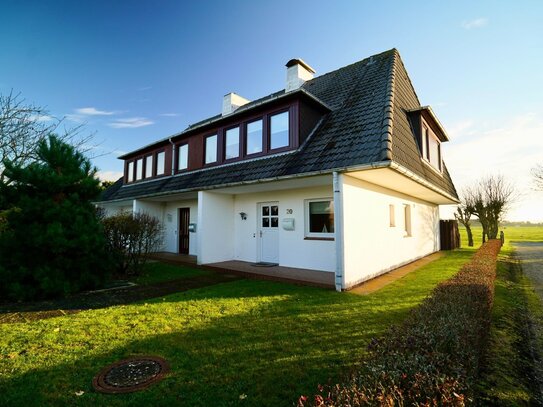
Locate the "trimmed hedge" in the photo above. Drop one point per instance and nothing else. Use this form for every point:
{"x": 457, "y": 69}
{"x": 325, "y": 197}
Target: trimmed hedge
{"x": 433, "y": 357}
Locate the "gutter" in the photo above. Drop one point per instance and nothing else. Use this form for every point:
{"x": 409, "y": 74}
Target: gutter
{"x": 338, "y": 232}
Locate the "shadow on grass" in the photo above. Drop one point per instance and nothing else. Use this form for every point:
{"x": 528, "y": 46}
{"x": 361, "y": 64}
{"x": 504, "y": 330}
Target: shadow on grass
{"x": 267, "y": 341}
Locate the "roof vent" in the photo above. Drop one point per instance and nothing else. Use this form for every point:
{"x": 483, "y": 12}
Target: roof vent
{"x": 298, "y": 72}
{"x": 231, "y": 102}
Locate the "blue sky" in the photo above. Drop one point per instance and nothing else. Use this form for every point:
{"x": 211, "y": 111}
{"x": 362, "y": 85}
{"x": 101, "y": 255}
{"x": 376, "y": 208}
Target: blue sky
{"x": 138, "y": 71}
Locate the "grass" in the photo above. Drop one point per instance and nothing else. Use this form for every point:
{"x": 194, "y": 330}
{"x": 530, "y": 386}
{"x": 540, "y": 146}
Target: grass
{"x": 507, "y": 378}
{"x": 157, "y": 272}
{"x": 241, "y": 343}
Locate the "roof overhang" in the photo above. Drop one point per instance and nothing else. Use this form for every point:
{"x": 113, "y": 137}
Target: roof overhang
{"x": 429, "y": 115}
{"x": 398, "y": 178}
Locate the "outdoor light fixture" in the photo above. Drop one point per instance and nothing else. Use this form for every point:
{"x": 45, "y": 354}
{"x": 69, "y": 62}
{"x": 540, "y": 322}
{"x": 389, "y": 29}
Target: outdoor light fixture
{"x": 243, "y": 215}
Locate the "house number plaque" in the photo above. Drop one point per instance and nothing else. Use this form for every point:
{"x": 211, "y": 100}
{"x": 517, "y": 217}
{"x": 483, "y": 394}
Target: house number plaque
{"x": 289, "y": 211}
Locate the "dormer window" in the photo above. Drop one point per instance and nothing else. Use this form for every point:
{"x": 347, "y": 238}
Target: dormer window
{"x": 211, "y": 149}
{"x": 139, "y": 169}
{"x": 254, "y": 137}
{"x": 149, "y": 166}
{"x": 160, "y": 163}
{"x": 130, "y": 170}
{"x": 431, "y": 148}
{"x": 279, "y": 134}
{"x": 232, "y": 143}
{"x": 183, "y": 157}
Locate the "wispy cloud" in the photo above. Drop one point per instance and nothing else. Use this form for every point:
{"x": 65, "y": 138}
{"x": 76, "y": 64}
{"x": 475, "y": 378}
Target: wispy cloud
{"x": 477, "y": 149}
{"x": 92, "y": 111}
{"x": 475, "y": 23}
{"x": 76, "y": 118}
{"x": 41, "y": 118}
{"x": 169, "y": 114}
{"x": 144, "y": 88}
{"x": 130, "y": 123}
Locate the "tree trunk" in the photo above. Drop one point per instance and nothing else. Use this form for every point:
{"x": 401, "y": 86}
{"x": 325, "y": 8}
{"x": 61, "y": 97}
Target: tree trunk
{"x": 470, "y": 235}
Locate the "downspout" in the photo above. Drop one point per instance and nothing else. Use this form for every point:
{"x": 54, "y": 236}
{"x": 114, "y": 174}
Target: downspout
{"x": 338, "y": 232}
{"x": 173, "y": 155}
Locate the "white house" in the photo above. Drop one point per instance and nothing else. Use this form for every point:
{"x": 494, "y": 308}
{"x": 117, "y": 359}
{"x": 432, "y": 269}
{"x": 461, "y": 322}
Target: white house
{"x": 340, "y": 173}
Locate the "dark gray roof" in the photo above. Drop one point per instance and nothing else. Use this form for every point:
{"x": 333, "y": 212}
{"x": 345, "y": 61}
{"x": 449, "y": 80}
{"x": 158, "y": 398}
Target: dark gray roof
{"x": 368, "y": 123}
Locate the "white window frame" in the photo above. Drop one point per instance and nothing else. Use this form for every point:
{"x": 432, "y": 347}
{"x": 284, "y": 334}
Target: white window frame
{"x": 329, "y": 235}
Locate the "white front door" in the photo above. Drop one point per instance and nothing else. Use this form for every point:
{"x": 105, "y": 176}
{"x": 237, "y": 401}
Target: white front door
{"x": 268, "y": 225}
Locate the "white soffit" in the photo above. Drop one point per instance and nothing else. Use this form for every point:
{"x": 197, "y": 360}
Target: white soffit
{"x": 395, "y": 181}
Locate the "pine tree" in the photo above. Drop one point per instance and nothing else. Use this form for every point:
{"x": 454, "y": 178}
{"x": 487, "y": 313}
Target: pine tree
{"x": 52, "y": 243}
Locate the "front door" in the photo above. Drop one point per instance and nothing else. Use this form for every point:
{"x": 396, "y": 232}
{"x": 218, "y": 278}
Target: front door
{"x": 183, "y": 229}
{"x": 269, "y": 232}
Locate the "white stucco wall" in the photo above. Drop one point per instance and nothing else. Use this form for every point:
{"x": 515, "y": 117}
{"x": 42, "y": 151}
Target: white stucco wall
{"x": 215, "y": 227}
{"x": 115, "y": 208}
{"x": 171, "y": 224}
{"x": 294, "y": 250}
{"x": 152, "y": 208}
{"x": 371, "y": 245}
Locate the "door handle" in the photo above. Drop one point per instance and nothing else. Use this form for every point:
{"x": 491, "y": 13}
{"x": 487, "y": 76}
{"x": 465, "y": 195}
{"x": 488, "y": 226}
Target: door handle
{"x": 260, "y": 233}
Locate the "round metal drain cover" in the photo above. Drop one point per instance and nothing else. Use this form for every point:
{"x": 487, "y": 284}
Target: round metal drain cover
{"x": 130, "y": 375}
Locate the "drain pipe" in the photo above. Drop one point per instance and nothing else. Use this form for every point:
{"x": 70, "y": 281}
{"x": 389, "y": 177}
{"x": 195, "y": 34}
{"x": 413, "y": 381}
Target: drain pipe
{"x": 173, "y": 155}
{"x": 338, "y": 232}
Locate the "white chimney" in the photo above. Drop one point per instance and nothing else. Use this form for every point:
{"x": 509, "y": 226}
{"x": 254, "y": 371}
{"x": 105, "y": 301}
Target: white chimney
{"x": 298, "y": 72}
{"x": 231, "y": 102}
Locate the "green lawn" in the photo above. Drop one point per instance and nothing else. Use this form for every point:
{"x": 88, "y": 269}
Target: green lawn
{"x": 157, "y": 272}
{"x": 241, "y": 343}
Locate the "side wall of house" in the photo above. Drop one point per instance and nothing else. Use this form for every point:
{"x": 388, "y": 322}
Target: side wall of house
{"x": 294, "y": 249}
{"x": 215, "y": 227}
{"x": 373, "y": 246}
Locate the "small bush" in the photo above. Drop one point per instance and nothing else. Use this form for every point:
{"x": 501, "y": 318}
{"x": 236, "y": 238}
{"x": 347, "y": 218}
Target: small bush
{"x": 433, "y": 357}
{"x": 131, "y": 238}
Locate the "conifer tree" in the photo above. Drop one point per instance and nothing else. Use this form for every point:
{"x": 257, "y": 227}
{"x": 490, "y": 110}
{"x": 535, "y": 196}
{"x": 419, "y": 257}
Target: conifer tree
{"x": 52, "y": 242}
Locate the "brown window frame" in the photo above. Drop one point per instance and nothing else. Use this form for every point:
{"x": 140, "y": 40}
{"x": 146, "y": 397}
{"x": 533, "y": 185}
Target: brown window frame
{"x": 240, "y": 152}
{"x": 268, "y": 131}
{"x": 177, "y": 155}
{"x": 216, "y": 162}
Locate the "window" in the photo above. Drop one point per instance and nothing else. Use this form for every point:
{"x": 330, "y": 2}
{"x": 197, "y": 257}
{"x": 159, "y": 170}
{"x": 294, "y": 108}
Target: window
{"x": 149, "y": 166}
{"x": 211, "y": 149}
{"x": 183, "y": 157}
{"x": 320, "y": 218}
{"x": 130, "y": 175}
{"x": 279, "y": 135}
{"x": 431, "y": 149}
{"x": 270, "y": 216}
{"x": 254, "y": 137}
{"x": 232, "y": 143}
{"x": 392, "y": 215}
{"x": 407, "y": 219}
{"x": 160, "y": 163}
{"x": 139, "y": 169}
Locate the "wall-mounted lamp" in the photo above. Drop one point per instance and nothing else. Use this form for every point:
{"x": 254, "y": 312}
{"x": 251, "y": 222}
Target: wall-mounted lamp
{"x": 243, "y": 215}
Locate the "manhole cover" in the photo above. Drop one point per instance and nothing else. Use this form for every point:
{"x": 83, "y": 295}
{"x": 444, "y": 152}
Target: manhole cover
{"x": 130, "y": 375}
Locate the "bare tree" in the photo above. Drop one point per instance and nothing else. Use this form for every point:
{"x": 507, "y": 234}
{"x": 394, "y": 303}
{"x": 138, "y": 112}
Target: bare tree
{"x": 537, "y": 174}
{"x": 490, "y": 199}
{"x": 23, "y": 125}
{"x": 463, "y": 215}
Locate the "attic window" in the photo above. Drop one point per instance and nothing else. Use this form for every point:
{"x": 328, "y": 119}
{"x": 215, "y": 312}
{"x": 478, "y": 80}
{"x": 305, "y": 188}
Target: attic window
{"x": 431, "y": 148}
